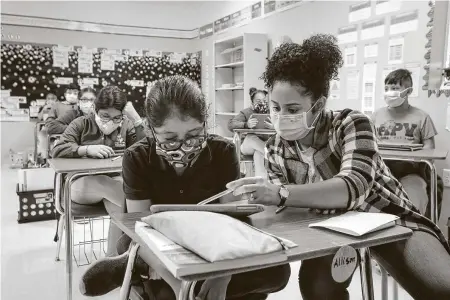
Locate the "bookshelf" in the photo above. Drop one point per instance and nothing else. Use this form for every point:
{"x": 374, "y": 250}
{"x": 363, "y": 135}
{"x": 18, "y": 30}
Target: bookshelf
{"x": 238, "y": 64}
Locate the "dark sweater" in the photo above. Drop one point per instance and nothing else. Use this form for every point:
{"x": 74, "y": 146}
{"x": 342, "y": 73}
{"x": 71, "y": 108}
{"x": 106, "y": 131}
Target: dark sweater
{"x": 58, "y": 125}
{"x": 84, "y": 131}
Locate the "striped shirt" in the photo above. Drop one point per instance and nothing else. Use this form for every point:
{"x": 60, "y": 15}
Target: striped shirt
{"x": 345, "y": 147}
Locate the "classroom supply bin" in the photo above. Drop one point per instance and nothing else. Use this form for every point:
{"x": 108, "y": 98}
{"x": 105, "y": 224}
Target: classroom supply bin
{"x": 36, "y": 205}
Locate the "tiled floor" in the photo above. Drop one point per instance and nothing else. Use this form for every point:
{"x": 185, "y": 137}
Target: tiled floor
{"x": 29, "y": 269}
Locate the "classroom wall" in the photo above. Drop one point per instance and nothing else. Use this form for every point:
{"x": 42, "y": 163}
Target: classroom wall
{"x": 326, "y": 17}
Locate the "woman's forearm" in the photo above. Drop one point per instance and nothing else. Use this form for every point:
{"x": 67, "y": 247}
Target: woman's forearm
{"x": 328, "y": 194}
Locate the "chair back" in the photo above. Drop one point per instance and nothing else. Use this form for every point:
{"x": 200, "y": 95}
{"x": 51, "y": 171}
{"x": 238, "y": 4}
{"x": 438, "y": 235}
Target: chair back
{"x": 52, "y": 139}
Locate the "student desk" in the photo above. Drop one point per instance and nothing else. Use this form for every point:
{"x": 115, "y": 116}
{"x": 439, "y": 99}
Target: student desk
{"x": 75, "y": 168}
{"x": 425, "y": 156}
{"x": 238, "y": 133}
{"x": 291, "y": 224}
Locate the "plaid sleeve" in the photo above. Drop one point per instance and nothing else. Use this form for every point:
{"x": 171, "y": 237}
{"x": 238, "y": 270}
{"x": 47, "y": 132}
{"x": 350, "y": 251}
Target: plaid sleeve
{"x": 359, "y": 155}
{"x": 272, "y": 159}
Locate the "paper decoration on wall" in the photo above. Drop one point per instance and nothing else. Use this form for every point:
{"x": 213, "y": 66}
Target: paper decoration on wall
{"x": 371, "y": 50}
{"x": 63, "y": 80}
{"x": 87, "y": 82}
{"x": 404, "y": 23}
{"x": 135, "y": 83}
{"x": 19, "y": 64}
{"x": 353, "y": 84}
{"x": 177, "y": 58}
{"x": 350, "y": 56}
{"x": 395, "y": 51}
{"x": 384, "y": 7}
{"x": 372, "y": 29}
{"x": 348, "y": 34}
{"x": 153, "y": 53}
{"x": 85, "y": 59}
{"x": 415, "y": 75}
{"x": 10, "y": 102}
{"x": 360, "y": 11}
{"x": 335, "y": 89}
{"x": 60, "y": 57}
{"x": 136, "y": 52}
{"x": 107, "y": 62}
{"x": 256, "y": 10}
{"x": 269, "y": 6}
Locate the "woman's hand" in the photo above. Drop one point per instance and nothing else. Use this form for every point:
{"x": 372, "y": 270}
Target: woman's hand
{"x": 214, "y": 289}
{"x": 262, "y": 190}
{"x": 252, "y": 122}
{"x": 99, "y": 151}
{"x": 131, "y": 112}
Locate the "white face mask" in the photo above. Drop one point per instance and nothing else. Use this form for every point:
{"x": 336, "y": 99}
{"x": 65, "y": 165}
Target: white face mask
{"x": 71, "y": 98}
{"x": 85, "y": 106}
{"x": 292, "y": 127}
{"x": 394, "y": 98}
{"x": 106, "y": 127}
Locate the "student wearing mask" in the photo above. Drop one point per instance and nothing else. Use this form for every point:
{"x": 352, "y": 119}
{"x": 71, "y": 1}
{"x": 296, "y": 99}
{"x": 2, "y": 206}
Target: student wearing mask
{"x": 50, "y": 101}
{"x": 179, "y": 164}
{"x": 100, "y": 135}
{"x": 253, "y": 144}
{"x": 401, "y": 123}
{"x": 329, "y": 161}
{"x": 70, "y": 103}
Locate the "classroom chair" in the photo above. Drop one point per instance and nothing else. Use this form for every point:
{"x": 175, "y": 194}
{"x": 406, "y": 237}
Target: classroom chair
{"x": 38, "y": 128}
{"x": 83, "y": 215}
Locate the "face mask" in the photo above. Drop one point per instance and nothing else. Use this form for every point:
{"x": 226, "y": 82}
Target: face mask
{"x": 106, "y": 127}
{"x": 71, "y": 98}
{"x": 292, "y": 127}
{"x": 261, "y": 108}
{"x": 85, "y": 107}
{"x": 181, "y": 156}
{"x": 394, "y": 99}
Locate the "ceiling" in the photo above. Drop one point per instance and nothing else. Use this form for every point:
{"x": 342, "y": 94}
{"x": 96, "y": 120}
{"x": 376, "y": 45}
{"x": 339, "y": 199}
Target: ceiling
{"x": 181, "y": 15}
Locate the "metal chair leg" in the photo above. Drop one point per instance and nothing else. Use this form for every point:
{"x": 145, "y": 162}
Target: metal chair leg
{"x": 61, "y": 229}
{"x": 384, "y": 284}
{"x": 395, "y": 290}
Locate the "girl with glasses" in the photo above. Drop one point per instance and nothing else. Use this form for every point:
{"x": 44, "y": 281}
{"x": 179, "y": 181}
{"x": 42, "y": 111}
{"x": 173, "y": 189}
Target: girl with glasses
{"x": 179, "y": 163}
{"x": 100, "y": 134}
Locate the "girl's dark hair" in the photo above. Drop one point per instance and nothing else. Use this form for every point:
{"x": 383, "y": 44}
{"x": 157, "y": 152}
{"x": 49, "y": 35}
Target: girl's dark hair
{"x": 253, "y": 91}
{"x": 313, "y": 64}
{"x": 73, "y": 86}
{"x": 175, "y": 95}
{"x": 88, "y": 90}
{"x": 110, "y": 96}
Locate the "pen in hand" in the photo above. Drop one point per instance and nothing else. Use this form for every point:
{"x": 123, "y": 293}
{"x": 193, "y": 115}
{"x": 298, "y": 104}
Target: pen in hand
{"x": 280, "y": 209}
{"x": 115, "y": 158}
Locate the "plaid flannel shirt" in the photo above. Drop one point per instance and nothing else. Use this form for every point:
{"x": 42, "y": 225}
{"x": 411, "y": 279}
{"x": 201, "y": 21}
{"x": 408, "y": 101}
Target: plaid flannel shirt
{"x": 346, "y": 147}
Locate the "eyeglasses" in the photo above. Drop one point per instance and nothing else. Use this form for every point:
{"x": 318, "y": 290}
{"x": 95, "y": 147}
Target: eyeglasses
{"x": 175, "y": 145}
{"x": 116, "y": 120}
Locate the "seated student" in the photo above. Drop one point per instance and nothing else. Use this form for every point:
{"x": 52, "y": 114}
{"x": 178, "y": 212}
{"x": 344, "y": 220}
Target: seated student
{"x": 330, "y": 162}
{"x": 253, "y": 144}
{"x": 180, "y": 164}
{"x": 59, "y": 108}
{"x": 99, "y": 135}
{"x": 84, "y": 107}
{"x": 402, "y": 123}
{"x": 43, "y": 111}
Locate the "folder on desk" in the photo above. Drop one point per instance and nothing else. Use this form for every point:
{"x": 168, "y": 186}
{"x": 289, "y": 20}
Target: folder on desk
{"x": 183, "y": 262}
{"x": 358, "y": 223}
{"x": 400, "y": 147}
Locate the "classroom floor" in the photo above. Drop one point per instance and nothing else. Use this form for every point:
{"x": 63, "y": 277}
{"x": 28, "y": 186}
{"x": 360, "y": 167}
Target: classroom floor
{"x": 29, "y": 269}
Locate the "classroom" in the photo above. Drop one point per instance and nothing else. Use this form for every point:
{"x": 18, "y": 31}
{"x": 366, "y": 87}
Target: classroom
{"x": 225, "y": 150}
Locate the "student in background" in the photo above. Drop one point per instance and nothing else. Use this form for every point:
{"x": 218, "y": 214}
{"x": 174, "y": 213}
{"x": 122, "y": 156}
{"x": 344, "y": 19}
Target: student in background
{"x": 70, "y": 103}
{"x": 50, "y": 101}
{"x": 329, "y": 161}
{"x": 179, "y": 164}
{"x": 85, "y": 106}
{"x": 401, "y": 123}
{"x": 253, "y": 144}
{"x": 99, "y": 135}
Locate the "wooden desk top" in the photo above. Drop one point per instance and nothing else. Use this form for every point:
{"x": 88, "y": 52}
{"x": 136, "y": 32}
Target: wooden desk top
{"x": 436, "y": 154}
{"x": 68, "y": 165}
{"x": 291, "y": 224}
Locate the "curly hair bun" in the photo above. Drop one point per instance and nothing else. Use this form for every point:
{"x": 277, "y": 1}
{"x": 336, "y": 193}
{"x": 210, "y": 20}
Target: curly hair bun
{"x": 312, "y": 64}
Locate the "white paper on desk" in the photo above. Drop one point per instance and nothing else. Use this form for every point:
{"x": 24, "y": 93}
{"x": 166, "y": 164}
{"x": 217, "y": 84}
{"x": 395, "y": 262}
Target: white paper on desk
{"x": 358, "y": 223}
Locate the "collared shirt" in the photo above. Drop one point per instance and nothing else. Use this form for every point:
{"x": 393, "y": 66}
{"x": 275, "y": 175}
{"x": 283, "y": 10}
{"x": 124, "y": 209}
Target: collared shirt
{"x": 147, "y": 176}
{"x": 346, "y": 148}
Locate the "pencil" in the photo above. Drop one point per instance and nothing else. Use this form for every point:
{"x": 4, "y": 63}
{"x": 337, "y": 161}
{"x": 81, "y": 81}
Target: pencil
{"x": 280, "y": 209}
{"x": 115, "y": 158}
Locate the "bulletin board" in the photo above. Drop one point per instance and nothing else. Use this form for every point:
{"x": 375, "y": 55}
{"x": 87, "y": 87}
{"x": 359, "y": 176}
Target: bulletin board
{"x": 31, "y": 71}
